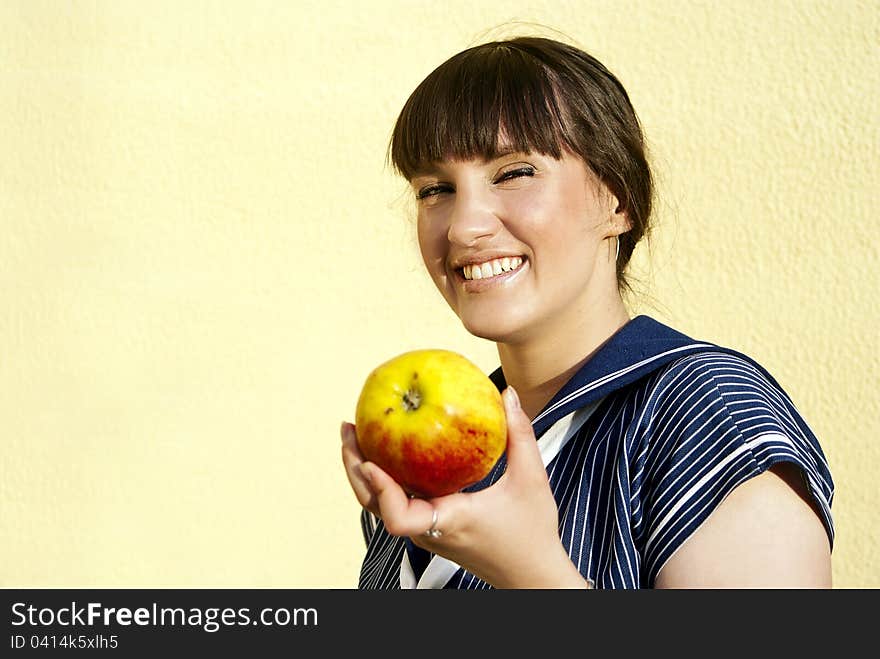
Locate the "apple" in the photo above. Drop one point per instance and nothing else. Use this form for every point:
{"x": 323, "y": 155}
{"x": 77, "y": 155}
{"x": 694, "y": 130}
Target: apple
{"x": 432, "y": 420}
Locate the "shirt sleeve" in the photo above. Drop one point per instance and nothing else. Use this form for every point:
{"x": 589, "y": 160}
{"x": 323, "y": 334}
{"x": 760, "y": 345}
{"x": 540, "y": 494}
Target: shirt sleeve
{"x": 717, "y": 420}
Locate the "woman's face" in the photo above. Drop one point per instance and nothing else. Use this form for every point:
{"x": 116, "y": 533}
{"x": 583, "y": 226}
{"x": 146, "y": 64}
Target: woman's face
{"x": 521, "y": 245}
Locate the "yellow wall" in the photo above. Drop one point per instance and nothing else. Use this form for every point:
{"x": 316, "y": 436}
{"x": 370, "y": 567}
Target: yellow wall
{"x": 202, "y": 255}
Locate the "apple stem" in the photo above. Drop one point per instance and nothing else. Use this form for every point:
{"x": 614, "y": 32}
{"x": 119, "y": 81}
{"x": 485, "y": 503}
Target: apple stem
{"x": 412, "y": 399}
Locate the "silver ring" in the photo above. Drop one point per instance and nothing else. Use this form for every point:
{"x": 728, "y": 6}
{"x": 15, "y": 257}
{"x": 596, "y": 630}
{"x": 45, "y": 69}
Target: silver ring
{"x": 434, "y": 532}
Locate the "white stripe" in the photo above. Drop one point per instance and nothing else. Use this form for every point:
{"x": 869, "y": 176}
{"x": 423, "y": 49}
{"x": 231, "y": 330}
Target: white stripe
{"x": 407, "y": 574}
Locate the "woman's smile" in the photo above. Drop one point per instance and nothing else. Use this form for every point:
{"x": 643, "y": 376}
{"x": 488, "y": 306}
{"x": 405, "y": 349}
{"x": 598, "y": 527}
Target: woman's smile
{"x": 477, "y": 278}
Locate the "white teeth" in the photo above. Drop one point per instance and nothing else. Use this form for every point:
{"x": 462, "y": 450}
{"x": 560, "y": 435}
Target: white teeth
{"x": 491, "y": 268}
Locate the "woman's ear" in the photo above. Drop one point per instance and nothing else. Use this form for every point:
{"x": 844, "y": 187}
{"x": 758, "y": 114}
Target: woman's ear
{"x": 613, "y": 203}
{"x": 617, "y": 217}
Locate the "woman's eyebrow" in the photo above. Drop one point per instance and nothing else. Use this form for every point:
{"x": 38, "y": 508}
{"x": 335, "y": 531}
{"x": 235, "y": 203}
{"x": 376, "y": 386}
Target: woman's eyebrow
{"x": 425, "y": 169}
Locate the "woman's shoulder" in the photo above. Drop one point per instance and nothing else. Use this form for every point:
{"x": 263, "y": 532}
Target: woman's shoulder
{"x": 715, "y": 360}
{"x": 717, "y": 373}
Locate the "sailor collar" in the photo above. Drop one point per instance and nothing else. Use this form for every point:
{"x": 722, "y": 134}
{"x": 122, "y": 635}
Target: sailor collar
{"x": 640, "y": 347}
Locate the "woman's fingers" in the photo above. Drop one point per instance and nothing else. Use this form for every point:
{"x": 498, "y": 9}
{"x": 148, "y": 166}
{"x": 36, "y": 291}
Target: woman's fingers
{"x": 401, "y": 514}
{"x": 352, "y": 459}
{"x": 382, "y": 495}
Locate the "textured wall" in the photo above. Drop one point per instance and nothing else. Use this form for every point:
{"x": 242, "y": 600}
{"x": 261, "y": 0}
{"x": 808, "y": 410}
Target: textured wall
{"x": 202, "y": 254}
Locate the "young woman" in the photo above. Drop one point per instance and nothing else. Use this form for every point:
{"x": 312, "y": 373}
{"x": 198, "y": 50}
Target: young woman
{"x": 637, "y": 457}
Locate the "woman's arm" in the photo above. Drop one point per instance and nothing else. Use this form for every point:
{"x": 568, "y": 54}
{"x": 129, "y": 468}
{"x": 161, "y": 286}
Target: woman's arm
{"x": 765, "y": 534}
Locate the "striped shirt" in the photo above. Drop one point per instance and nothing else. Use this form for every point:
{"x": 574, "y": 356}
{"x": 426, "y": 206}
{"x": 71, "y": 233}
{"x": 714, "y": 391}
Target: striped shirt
{"x": 641, "y": 445}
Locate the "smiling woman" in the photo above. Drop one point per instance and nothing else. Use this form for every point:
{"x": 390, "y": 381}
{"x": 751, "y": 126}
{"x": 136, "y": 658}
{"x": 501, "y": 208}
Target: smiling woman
{"x": 636, "y": 456}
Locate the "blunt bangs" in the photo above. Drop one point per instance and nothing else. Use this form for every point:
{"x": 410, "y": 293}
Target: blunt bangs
{"x": 485, "y": 98}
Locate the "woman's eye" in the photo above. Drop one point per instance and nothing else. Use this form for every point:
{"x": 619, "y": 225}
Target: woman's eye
{"x": 516, "y": 173}
{"x": 431, "y": 191}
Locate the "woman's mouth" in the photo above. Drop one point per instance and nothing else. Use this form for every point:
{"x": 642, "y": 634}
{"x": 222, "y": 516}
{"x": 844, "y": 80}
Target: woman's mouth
{"x": 480, "y": 276}
{"x": 491, "y": 268}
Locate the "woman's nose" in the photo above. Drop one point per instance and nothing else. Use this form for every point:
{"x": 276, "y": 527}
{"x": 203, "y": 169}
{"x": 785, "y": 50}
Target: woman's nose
{"x": 473, "y": 216}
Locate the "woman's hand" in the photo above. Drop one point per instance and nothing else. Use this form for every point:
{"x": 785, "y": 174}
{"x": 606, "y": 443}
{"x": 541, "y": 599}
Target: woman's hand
{"x": 506, "y": 534}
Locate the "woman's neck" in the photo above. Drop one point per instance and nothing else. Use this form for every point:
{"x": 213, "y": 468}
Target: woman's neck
{"x": 539, "y": 368}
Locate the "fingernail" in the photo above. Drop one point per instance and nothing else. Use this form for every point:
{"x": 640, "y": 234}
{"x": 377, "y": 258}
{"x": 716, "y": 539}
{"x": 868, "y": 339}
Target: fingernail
{"x": 343, "y": 431}
{"x": 514, "y": 397}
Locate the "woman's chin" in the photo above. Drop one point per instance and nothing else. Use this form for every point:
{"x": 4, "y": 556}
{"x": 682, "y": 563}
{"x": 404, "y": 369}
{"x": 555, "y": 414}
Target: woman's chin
{"x": 497, "y": 329}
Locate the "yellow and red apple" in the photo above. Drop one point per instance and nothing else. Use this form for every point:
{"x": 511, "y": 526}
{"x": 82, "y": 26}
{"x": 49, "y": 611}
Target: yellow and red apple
{"x": 432, "y": 420}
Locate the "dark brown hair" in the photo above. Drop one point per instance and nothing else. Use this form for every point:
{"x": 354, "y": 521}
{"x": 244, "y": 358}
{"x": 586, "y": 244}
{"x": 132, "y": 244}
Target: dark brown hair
{"x": 545, "y": 95}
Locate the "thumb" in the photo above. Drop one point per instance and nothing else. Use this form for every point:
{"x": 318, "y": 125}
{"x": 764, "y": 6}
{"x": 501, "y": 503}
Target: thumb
{"x": 523, "y": 456}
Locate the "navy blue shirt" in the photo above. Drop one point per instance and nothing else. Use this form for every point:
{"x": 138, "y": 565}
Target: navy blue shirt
{"x": 673, "y": 426}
